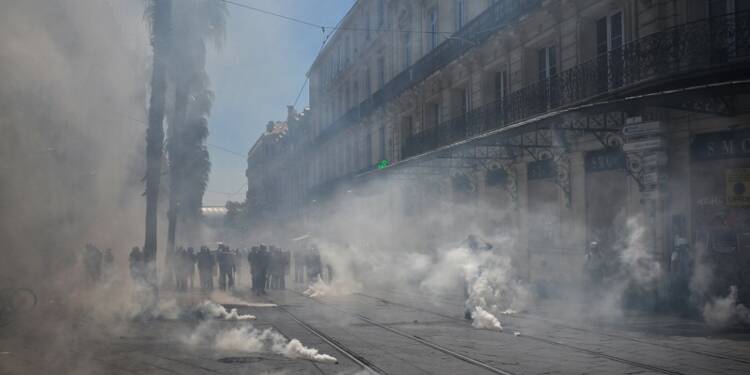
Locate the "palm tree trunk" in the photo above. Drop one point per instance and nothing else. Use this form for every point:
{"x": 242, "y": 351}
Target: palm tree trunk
{"x": 176, "y": 160}
{"x": 161, "y": 26}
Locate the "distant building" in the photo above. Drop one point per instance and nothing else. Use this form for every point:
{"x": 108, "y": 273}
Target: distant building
{"x": 273, "y": 173}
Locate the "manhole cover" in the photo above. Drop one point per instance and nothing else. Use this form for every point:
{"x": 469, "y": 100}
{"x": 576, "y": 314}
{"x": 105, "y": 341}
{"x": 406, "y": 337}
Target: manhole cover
{"x": 240, "y": 359}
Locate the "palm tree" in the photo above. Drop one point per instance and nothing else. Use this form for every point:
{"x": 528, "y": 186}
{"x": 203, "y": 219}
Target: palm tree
{"x": 196, "y": 22}
{"x": 159, "y": 13}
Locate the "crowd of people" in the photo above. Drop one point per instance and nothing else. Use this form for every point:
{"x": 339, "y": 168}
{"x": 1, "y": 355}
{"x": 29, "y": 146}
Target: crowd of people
{"x": 98, "y": 264}
{"x": 185, "y": 269}
{"x": 268, "y": 267}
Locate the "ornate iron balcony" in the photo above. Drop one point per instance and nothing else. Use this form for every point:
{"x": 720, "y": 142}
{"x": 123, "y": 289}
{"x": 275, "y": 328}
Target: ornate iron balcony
{"x": 709, "y": 45}
{"x": 478, "y": 30}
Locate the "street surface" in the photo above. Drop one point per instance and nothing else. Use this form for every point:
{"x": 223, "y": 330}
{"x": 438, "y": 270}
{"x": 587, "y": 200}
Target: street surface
{"x": 388, "y": 332}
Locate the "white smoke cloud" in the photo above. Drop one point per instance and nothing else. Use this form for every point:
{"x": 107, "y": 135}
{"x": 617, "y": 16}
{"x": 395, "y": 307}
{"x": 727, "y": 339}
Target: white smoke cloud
{"x": 725, "y": 311}
{"x": 337, "y": 287}
{"x": 637, "y": 254}
{"x": 484, "y": 320}
{"x": 248, "y": 339}
{"x": 214, "y": 310}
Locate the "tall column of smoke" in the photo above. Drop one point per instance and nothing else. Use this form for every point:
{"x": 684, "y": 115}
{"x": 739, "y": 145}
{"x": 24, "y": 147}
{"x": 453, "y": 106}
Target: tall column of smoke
{"x": 72, "y": 104}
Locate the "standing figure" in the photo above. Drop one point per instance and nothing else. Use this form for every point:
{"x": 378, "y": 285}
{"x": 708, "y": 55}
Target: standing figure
{"x": 313, "y": 265}
{"x": 190, "y": 264}
{"x": 169, "y": 266}
{"x": 108, "y": 264}
{"x": 180, "y": 269}
{"x": 285, "y": 264}
{"x": 226, "y": 268}
{"x": 237, "y": 266}
{"x": 252, "y": 261}
{"x": 93, "y": 263}
{"x": 205, "y": 269}
{"x": 136, "y": 264}
{"x": 299, "y": 266}
{"x": 593, "y": 269}
{"x": 274, "y": 267}
{"x": 262, "y": 265}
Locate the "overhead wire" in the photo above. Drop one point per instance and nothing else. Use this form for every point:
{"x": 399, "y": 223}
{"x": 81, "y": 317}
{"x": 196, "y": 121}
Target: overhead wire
{"x": 328, "y": 27}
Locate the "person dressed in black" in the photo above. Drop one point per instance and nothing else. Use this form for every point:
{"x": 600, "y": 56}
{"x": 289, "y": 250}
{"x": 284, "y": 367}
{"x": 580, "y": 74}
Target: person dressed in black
{"x": 205, "y": 269}
{"x": 136, "y": 265}
{"x": 226, "y": 268}
{"x": 313, "y": 265}
{"x": 190, "y": 261}
{"x": 93, "y": 263}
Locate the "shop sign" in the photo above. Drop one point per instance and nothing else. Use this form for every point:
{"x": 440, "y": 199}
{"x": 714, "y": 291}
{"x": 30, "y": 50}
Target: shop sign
{"x": 540, "y": 169}
{"x": 641, "y": 130}
{"x": 738, "y": 187}
{"x": 657, "y": 159}
{"x": 650, "y": 178}
{"x": 648, "y": 144}
{"x": 604, "y": 160}
{"x": 650, "y": 194}
{"x": 721, "y": 145}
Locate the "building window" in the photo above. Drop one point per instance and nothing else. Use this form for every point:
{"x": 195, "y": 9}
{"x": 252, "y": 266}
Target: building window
{"x": 347, "y": 51}
{"x": 381, "y": 12}
{"x": 609, "y": 33}
{"x": 501, "y": 85}
{"x": 407, "y": 49}
{"x": 368, "y": 150}
{"x": 465, "y": 102}
{"x": 381, "y": 139}
{"x": 406, "y": 127}
{"x": 368, "y": 83}
{"x": 609, "y": 40}
{"x": 432, "y": 115}
{"x": 381, "y": 73}
{"x": 367, "y": 25}
{"x": 432, "y": 27}
{"x": 460, "y": 14}
{"x": 547, "y": 62}
{"x": 339, "y": 58}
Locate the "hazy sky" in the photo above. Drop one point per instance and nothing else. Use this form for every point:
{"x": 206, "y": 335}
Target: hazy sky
{"x": 255, "y": 75}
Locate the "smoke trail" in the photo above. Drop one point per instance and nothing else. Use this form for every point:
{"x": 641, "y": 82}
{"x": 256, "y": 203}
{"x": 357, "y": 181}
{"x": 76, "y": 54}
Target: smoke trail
{"x": 214, "y": 310}
{"x": 483, "y": 319}
{"x": 338, "y": 287}
{"x": 725, "y": 311}
{"x": 249, "y": 339}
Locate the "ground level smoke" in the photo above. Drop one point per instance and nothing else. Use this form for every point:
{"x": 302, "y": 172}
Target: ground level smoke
{"x": 249, "y": 339}
{"x": 320, "y": 288}
{"x": 485, "y": 320}
{"x": 725, "y": 311}
{"x": 216, "y": 311}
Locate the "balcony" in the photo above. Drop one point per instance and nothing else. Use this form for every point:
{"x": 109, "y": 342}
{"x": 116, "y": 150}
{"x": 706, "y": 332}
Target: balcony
{"x": 477, "y": 31}
{"x": 666, "y": 59}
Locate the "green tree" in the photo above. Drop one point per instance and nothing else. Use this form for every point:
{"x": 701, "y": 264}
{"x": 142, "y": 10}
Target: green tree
{"x": 197, "y": 23}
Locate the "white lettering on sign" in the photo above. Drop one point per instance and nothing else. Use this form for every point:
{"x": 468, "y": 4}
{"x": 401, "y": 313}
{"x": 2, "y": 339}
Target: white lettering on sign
{"x": 651, "y": 178}
{"x": 647, "y": 144}
{"x": 639, "y": 130}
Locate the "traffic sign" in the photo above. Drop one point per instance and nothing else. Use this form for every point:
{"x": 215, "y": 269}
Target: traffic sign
{"x": 648, "y": 144}
{"x": 644, "y": 129}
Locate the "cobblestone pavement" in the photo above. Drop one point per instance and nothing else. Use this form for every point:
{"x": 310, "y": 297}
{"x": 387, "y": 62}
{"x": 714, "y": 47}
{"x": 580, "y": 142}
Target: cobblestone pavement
{"x": 391, "y": 332}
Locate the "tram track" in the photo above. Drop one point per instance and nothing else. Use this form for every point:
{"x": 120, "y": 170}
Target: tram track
{"x": 366, "y": 364}
{"x": 535, "y": 318}
{"x": 353, "y": 356}
{"x": 594, "y": 353}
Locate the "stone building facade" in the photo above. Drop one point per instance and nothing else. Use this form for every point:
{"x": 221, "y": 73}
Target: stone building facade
{"x": 574, "y": 115}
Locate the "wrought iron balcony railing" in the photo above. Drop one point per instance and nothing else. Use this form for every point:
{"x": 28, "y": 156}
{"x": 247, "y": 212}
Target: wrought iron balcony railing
{"x": 701, "y": 46}
{"x": 476, "y": 31}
